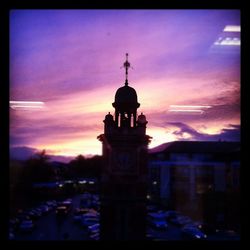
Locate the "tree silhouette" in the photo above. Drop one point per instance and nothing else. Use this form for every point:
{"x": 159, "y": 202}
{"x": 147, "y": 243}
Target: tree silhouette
{"x": 82, "y": 167}
{"x": 38, "y": 169}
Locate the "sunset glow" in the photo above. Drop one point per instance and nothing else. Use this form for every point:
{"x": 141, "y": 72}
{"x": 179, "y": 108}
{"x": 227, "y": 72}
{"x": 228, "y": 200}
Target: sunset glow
{"x": 66, "y": 65}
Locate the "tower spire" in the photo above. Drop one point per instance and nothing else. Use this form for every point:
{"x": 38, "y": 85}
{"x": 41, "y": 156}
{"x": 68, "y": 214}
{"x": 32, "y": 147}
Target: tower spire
{"x": 126, "y": 65}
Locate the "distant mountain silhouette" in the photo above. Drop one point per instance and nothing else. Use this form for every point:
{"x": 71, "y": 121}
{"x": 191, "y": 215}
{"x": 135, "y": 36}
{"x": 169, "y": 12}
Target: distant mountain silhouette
{"x": 23, "y": 153}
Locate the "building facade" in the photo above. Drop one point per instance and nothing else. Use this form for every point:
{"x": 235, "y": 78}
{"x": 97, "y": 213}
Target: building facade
{"x": 200, "y": 179}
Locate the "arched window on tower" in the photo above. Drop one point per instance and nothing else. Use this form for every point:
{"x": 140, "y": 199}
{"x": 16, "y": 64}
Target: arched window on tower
{"x": 119, "y": 120}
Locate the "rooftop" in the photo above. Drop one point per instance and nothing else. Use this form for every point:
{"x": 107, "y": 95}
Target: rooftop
{"x": 197, "y": 147}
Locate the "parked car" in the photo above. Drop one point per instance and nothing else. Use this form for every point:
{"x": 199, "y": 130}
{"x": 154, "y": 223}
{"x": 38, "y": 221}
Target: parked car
{"x": 207, "y": 228}
{"x": 62, "y": 211}
{"x": 157, "y": 220}
{"x": 151, "y": 208}
{"x": 95, "y": 197}
{"x": 41, "y": 210}
{"x": 11, "y": 235}
{"x": 228, "y": 234}
{"x": 34, "y": 214}
{"x": 85, "y": 203}
{"x": 88, "y": 221}
{"x": 14, "y": 223}
{"x": 171, "y": 214}
{"x": 78, "y": 213}
{"x": 181, "y": 220}
{"x": 95, "y": 236}
{"x": 192, "y": 233}
{"x": 52, "y": 203}
{"x": 37, "y": 212}
{"x": 91, "y": 213}
{"x": 45, "y": 209}
{"x": 67, "y": 203}
{"x": 149, "y": 236}
{"x": 23, "y": 216}
{"x": 26, "y": 226}
{"x": 93, "y": 229}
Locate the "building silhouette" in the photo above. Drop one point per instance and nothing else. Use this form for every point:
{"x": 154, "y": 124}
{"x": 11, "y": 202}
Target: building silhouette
{"x": 124, "y": 175}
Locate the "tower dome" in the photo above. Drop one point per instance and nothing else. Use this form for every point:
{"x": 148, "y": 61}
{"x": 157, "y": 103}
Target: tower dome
{"x": 126, "y": 103}
{"x": 109, "y": 117}
{"x": 142, "y": 119}
{"x": 126, "y": 97}
{"x": 126, "y": 94}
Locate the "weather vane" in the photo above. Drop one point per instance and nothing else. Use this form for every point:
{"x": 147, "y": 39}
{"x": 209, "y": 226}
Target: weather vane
{"x": 126, "y": 65}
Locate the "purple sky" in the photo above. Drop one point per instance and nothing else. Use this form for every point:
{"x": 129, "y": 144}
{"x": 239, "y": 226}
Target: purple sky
{"x": 71, "y": 59}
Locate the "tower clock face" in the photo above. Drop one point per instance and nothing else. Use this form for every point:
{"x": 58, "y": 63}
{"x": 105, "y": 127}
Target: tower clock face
{"x": 124, "y": 161}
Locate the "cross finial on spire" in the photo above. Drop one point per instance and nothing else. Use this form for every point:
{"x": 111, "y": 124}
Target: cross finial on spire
{"x": 126, "y": 65}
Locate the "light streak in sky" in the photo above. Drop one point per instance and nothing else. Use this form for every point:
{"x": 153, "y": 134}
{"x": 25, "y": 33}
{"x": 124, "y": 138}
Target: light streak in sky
{"x": 26, "y": 105}
{"x": 228, "y": 41}
{"x": 189, "y": 108}
{"x": 232, "y": 28}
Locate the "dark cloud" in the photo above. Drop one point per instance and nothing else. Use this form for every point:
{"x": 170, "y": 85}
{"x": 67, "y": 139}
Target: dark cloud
{"x": 232, "y": 133}
{"x": 225, "y": 105}
{"x": 222, "y": 112}
{"x": 184, "y": 129}
{"x": 215, "y": 113}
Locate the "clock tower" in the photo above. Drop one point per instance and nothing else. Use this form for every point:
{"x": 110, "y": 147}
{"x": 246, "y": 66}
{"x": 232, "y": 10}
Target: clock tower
{"x": 124, "y": 174}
